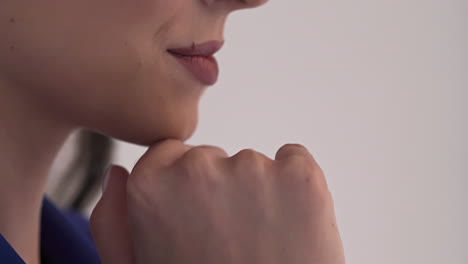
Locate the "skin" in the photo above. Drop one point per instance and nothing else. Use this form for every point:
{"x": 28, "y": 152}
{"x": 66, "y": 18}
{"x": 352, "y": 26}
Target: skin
{"x": 206, "y": 207}
{"x": 100, "y": 65}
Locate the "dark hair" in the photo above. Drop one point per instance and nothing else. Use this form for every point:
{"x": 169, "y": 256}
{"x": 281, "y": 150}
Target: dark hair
{"x": 82, "y": 180}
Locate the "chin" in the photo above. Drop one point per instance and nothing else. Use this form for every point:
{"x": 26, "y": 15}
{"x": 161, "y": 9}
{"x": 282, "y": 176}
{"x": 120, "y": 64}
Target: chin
{"x": 181, "y": 129}
{"x": 153, "y": 138}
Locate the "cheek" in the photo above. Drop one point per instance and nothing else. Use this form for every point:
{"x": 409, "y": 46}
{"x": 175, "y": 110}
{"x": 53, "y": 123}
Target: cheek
{"x": 63, "y": 51}
{"x": 105, "y": 72}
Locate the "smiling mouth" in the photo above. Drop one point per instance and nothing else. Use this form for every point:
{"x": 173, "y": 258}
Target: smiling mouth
{"x": 198, "y": 59}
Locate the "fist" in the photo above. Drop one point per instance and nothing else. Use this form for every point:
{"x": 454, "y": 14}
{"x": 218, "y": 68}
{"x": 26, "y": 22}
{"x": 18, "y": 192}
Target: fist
{"x": 186, "y": 204}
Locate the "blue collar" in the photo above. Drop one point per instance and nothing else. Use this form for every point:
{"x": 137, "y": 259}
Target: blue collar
{"x": 65, "y": 238}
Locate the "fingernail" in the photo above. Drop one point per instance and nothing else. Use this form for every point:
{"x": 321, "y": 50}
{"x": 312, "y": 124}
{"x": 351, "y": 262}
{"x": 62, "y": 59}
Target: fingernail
{"x": 106, "y": 178}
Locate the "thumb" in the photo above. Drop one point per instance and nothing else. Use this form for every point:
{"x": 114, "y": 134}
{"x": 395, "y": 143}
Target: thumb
{"x": 109, "y": 219}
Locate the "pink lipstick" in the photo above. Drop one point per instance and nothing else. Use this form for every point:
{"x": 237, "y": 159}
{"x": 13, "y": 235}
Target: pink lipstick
{"x": 198, "y": 59}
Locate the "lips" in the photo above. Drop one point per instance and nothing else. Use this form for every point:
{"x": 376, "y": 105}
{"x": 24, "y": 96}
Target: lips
{"x": 198, "y": 59}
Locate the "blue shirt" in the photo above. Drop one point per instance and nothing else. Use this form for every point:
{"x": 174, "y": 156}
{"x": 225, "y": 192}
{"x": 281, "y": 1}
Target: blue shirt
{"x": 65, "y": 239}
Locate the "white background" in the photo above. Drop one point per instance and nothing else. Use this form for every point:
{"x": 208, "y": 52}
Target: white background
{"x": 378, "y": 92}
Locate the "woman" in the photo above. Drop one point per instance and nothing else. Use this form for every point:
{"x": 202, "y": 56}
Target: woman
{"x": 135, "y": 70}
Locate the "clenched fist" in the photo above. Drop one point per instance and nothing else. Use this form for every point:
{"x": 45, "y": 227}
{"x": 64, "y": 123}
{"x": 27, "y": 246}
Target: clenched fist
{"x": 197, "y": 205}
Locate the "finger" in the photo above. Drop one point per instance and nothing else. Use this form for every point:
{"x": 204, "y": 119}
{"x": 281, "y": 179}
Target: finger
{"x": 216, "y": 151}
{"x": 205, "y": 150}
{"x": 162, "y": 154}
{"x": 109, "y": 220}
{"x": 288, "y": 154}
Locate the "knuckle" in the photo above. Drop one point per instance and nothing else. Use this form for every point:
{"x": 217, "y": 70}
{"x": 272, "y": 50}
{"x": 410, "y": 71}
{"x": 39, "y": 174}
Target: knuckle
{"x": 196, "y": 162}
{"x": 214, "y": 149}
{"x": 291, "y": 149}
{"x": 293, "y": 145}
{"x": 297, "y": 164}
{"x": 249, "y": 160}
{"x": 301, "y": 168}
{"x": 195, "y": 154}
{"x": 247, "y": 154}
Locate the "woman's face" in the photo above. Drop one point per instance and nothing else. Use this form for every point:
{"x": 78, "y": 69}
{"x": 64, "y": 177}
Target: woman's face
{"x": 104, "y": 64}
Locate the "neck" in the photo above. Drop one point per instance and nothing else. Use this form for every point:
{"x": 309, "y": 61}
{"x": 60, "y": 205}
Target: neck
{"x": 29, "y": 141}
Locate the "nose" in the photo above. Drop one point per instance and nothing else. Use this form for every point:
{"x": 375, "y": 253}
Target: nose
{"x": 233, "y": 5}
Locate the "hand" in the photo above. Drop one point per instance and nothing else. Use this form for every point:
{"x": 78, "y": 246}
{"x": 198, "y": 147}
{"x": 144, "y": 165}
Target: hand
{"x": 190, "y": 205}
